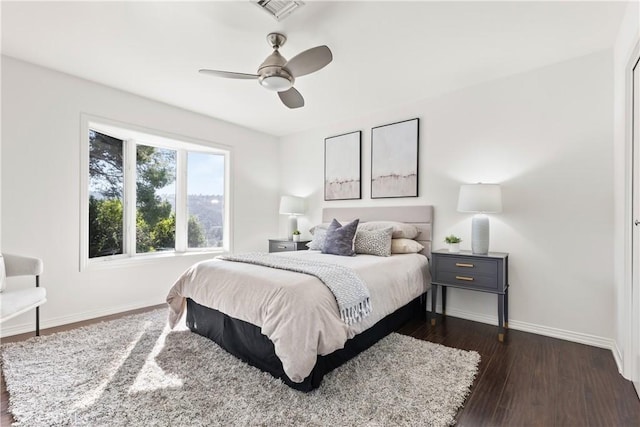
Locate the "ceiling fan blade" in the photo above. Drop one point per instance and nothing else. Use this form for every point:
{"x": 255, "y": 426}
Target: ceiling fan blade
{"x": 309, "y": 61}
{"x": 229, "y": 74}
{"x": 291, "y": 98}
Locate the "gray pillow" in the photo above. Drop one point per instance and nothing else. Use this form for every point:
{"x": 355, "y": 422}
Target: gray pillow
{"x": 339, "y": 240}
{"x": 374, "y": 242}
{"x": 318, "y": 240}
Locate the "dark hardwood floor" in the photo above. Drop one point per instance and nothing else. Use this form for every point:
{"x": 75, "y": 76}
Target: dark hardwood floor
{"x": 532, "y": 380}
{"x": 529, "y": 380}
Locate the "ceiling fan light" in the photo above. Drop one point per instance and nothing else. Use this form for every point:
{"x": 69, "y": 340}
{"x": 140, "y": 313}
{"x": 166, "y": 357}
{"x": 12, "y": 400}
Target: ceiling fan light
{"x": 276, "y": 83}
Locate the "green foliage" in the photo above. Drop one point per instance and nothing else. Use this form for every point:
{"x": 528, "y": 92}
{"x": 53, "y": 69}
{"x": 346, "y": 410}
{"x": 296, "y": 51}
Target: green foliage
{"x": 159, "y": 237}
{"x": 105, "y": 227}
{"x": 144, "y": 239}
{"x": 452, "y": 239}
{"x": 296, "y": 233}
{"x": 155, "y": 168}
{"x": 164, "y": 234}
{"x": 196, "y": 233}
{"x": 106, "y": 164}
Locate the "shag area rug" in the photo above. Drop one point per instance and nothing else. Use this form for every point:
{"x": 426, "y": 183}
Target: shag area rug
{"x": 135, "y": 372}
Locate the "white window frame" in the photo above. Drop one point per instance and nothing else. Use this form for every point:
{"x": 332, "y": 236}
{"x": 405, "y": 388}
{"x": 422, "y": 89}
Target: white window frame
{"x": 133, "y": 135}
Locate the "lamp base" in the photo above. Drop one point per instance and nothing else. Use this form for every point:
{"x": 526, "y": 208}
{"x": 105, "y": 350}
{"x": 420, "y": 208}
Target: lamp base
{"x": 480, "y": 234}
{"x": 293, "y": 226}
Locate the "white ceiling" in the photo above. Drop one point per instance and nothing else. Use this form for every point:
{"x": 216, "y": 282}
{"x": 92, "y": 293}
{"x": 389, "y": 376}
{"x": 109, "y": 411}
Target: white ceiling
{"x": 385, "y": 53}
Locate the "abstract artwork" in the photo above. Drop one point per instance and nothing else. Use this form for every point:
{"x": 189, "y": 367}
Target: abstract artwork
{"x": 394, "y": 160}
{"x": 342, "y": 166}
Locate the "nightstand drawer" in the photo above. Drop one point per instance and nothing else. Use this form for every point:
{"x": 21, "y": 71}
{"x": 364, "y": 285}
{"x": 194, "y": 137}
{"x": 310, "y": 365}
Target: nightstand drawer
{"x": 282, "y": 246}
{"x": 467, "y": 279}
{"x": 467, "y": 265}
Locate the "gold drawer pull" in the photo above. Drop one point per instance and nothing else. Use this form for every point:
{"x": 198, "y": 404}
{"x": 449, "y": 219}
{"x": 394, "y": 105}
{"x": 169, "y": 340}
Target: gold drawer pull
{"x": 468, "y": 279}
{"x": 462, "y": 264}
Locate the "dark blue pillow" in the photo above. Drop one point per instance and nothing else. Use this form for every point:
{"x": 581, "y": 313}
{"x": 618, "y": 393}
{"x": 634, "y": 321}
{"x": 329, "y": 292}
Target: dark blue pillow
{"x": 339, "y": 238}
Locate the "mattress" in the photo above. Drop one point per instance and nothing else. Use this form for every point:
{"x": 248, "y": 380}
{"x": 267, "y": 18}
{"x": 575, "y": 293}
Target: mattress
{"x": 296, "y": 311}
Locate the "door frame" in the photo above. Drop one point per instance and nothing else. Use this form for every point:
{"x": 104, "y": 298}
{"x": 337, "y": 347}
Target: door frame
{"x": 631, "y": 310}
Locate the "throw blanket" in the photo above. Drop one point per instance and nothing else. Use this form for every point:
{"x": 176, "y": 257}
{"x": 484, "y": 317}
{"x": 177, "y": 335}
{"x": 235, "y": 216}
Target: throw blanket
{"x": 349, "y": 290}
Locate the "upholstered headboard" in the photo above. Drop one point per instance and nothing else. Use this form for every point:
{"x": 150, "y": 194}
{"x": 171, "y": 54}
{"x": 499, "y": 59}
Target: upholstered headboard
{"x": 419, "y": 216}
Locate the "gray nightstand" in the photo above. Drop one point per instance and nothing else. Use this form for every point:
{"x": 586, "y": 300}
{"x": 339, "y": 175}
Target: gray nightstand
{"x": 284, "y": 245}
{"x": 464, "y": 270}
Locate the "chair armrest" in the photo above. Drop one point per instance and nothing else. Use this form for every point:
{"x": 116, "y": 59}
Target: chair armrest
{"x": 17, "y": 265}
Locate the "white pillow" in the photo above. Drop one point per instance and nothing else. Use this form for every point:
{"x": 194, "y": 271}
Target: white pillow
{"x": 322, "y": 226}
{"x": 405, "y": 246}
{"x": 400, "y": 229}
{"x": 3, "y": 274}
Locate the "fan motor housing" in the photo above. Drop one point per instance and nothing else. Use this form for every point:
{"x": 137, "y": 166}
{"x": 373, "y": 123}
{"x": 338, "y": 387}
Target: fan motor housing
{"x": 273, "y": 75}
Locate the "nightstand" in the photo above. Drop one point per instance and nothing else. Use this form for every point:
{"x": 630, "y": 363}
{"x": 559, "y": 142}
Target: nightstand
{"x": 464, "y": 270}
{"x": 284, "y": 245}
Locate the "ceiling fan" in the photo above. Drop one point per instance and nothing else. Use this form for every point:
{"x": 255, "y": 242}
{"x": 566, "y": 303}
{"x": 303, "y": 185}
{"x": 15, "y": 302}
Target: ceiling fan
{"x": 278, "y": 74}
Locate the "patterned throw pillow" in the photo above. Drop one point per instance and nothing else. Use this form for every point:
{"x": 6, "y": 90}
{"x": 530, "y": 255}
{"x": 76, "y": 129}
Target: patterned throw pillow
{"x": 318, "y": 240}
{"x": 374, "y": 242}
{"x": 340, "y": 238}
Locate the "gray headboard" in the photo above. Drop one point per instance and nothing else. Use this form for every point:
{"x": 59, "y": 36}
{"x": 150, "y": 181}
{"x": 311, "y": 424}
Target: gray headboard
{"x": 420, "y": 216}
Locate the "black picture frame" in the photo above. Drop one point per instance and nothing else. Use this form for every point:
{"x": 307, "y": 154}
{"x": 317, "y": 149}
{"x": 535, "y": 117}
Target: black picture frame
{"x": 343, "y": 167}
{"x": 394, "y": 159}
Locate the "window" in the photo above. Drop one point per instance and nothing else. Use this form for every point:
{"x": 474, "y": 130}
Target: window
{"x": 155, "y": 199}
{"x": 205, "y": 204}
{"x": 106, "y": 195}
{"x": 147, "y": 194}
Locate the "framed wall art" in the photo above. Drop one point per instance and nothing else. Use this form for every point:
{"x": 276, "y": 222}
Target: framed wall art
{"x": 342, "y": 166}
{"x": 394, "y": 160}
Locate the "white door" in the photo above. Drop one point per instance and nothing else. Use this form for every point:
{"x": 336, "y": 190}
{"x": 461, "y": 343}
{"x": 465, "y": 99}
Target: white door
{"x": 635, "y": 275}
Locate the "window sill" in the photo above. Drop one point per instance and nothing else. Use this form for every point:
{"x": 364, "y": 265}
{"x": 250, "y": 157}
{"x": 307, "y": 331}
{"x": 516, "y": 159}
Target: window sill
{"x": 144, "y": 259}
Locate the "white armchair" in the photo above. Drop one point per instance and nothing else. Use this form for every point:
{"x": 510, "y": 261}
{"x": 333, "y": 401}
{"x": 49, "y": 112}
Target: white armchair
{"x": 18, "y": 301}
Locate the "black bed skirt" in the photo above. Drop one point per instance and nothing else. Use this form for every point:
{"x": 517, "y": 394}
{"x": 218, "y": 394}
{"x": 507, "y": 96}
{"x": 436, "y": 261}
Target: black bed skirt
{"x": 245, "y": 341}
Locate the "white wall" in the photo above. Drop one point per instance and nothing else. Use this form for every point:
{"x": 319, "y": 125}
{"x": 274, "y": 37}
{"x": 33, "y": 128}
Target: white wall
{"x": 40, "y": 169}
{"x": 546, "y": 136}
{"x": 626, "y": 44}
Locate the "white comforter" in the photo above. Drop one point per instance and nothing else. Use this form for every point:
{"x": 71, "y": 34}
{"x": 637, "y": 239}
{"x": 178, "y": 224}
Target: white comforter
{"x": 296, "y": 311}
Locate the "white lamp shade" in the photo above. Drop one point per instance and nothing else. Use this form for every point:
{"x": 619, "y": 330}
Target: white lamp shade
{"x": 484, "y": 198}
{"x": 291, "y": 205}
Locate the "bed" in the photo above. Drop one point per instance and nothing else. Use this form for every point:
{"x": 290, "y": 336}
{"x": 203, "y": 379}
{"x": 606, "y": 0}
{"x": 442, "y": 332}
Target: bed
{"x": 287, "y": 323}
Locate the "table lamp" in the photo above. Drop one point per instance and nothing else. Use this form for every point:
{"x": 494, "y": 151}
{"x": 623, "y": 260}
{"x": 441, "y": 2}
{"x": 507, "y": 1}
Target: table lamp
{"x": 480, "y": 199}
{"x": 292, "y": 206}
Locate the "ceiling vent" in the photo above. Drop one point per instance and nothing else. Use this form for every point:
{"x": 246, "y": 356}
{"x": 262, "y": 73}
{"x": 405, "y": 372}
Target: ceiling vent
{"x": 279, "y": 9}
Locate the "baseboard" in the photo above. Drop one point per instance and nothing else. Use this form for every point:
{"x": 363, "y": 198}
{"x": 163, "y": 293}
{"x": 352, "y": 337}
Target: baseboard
{"x": 617, "y": 356}
{"x": 65, "y": 320}
{"x": 547, "y": 331}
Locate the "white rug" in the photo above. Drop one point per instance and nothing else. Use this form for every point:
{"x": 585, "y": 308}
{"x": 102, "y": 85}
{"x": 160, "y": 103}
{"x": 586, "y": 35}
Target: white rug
{"x": 134, "y": 372}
